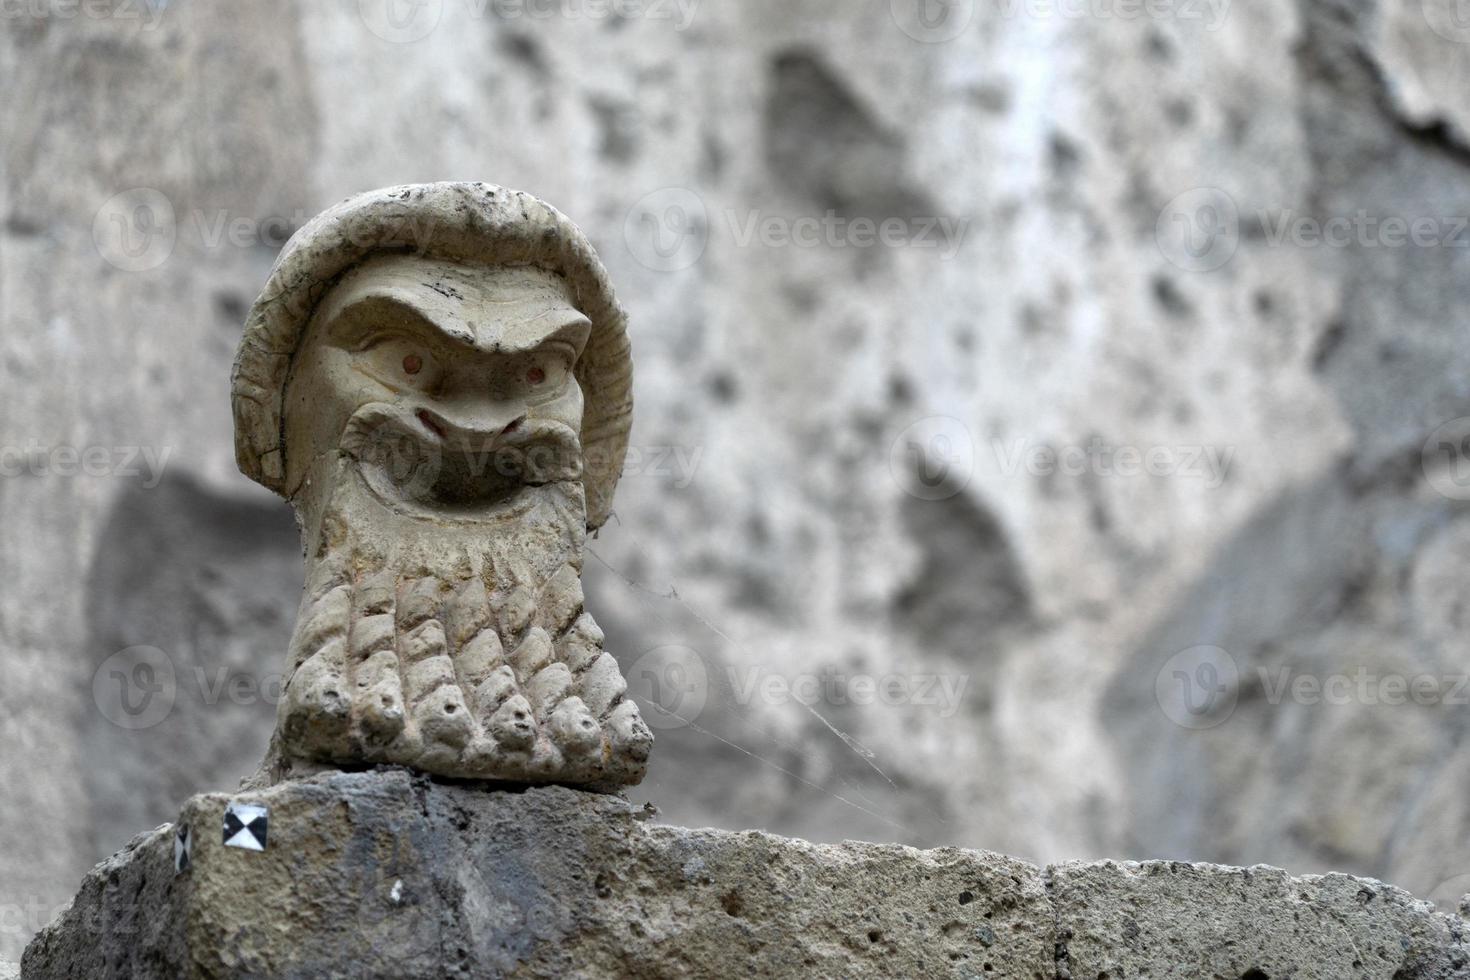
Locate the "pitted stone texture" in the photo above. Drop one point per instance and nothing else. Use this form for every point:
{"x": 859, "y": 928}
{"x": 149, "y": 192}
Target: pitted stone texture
{"x": 123, "y": 922}
{"x": 379, "y": 678}
{"x": 388, "y": 874}
{"x": 1170, "y": 919}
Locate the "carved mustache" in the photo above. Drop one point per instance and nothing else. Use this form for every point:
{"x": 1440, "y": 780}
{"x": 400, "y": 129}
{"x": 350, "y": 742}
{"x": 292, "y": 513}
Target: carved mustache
{"x": 426, "y": 450}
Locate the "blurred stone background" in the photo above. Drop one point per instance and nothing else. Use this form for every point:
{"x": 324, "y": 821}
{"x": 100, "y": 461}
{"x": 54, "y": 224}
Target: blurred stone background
{"x": 1146, "y": 415}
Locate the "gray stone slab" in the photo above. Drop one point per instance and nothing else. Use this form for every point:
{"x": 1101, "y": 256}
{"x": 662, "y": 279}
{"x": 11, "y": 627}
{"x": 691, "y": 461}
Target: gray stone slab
{"x": 1120, "y": 920}
{"x": 385, "y": 874}
{"x": 389, "y": 874}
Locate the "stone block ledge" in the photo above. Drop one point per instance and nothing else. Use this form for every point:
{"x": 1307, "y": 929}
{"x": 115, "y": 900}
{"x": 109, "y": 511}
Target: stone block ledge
{"x": 386, "y": 874}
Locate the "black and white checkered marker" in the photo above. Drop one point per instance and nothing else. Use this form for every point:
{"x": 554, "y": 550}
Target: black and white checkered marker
{"x": 183, "y": 848}
{"x": 245, "y": 826}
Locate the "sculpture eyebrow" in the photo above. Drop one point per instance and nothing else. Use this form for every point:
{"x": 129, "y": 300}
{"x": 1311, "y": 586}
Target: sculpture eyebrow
{"x": 564, "y": 325}
{"x": 410, "y": 320}
{"x": 571, "y": 329}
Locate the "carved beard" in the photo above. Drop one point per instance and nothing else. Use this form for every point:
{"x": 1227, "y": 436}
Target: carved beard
{"x": 451, "y": 643}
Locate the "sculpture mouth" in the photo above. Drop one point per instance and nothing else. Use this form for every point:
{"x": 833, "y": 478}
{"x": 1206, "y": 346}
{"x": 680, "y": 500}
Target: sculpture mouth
{"x": 413, "y": 461}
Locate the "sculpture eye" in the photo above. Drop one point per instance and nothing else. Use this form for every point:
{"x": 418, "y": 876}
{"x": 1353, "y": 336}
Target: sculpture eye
{"x": 399, "y": 361}
{"x": 544, "y": 372}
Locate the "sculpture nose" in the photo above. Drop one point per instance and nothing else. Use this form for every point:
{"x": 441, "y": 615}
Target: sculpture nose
{"x": 473, "y": 430}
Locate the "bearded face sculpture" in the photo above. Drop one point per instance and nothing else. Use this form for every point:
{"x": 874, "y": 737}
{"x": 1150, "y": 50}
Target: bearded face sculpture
{"x": 451, "y": 346}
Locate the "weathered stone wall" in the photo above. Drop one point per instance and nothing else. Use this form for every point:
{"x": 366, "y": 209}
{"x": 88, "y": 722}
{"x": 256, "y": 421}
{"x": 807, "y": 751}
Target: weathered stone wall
{"x": 387, "y": 875}
{"x": 774, "y": 521}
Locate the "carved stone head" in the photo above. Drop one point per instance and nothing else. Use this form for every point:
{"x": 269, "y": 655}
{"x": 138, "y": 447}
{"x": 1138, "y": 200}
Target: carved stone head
{"x": 451, "y": 385}
{"x": 437, "y": 378}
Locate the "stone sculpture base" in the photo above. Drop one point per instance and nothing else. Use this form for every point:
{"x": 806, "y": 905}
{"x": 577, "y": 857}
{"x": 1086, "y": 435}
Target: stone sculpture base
{"x": 387, "y": 874}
